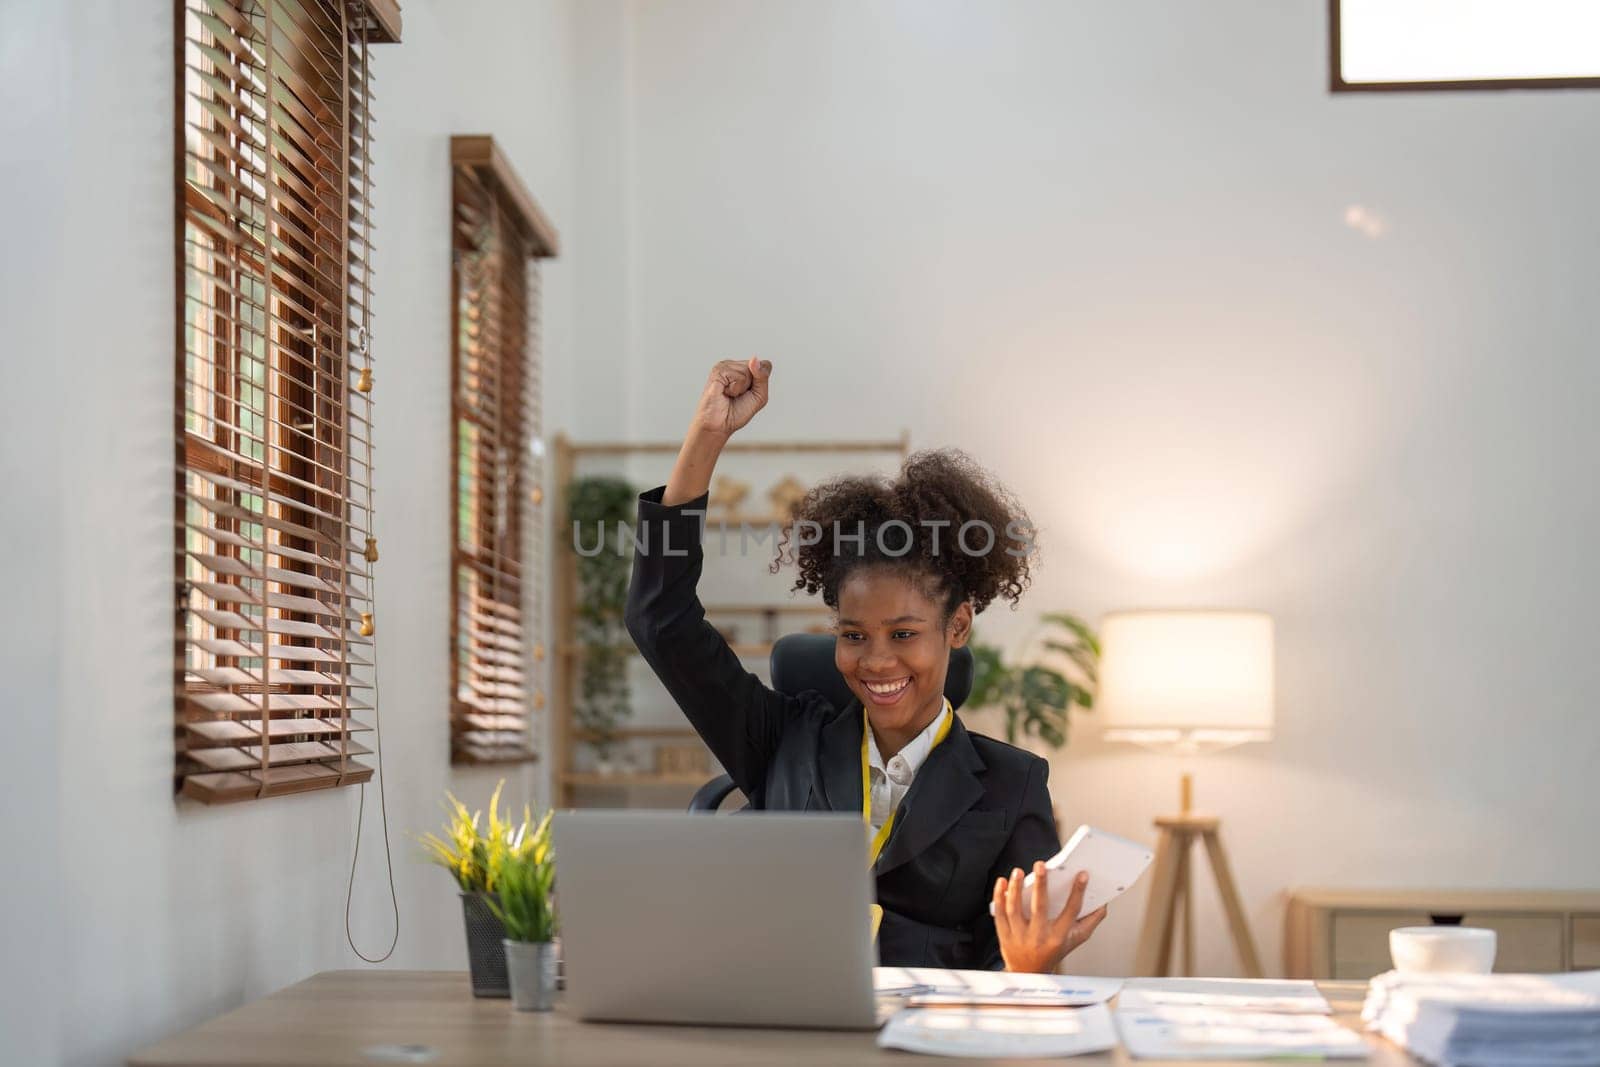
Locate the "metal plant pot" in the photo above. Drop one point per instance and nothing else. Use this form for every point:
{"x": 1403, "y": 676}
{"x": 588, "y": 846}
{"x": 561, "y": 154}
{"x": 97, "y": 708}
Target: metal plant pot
{"x": 532, "y": 966}
{"x": 486, "y": 953}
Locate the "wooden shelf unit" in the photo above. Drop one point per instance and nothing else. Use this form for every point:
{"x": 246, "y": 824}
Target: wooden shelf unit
{"x": 565, "y": 735}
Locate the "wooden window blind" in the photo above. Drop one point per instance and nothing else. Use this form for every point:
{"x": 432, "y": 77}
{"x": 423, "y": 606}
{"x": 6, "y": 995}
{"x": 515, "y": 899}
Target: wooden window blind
{"x": 498, "y": 235}
{"x": 274, "y": 428}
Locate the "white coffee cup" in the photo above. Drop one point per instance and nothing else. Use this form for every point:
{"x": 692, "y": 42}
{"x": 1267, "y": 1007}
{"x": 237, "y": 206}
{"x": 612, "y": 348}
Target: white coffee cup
{"x": 1442, "y": 949}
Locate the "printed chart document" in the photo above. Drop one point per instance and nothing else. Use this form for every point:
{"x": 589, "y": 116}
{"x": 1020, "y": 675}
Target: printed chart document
{"x": 1226, "y": 1018}
{"x": 1001, "y": 1033}
{"x": 934, "y": 986}
{"x": 1238, "y": 994}
{"x": 1201, "y": 1033}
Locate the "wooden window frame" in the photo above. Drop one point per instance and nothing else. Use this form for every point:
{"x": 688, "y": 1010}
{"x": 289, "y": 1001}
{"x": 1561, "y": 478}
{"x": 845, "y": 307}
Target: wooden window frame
{"x": 272, "y": 120}
{"x": 498, "y": 235}
{"x": 1337, "y": 84}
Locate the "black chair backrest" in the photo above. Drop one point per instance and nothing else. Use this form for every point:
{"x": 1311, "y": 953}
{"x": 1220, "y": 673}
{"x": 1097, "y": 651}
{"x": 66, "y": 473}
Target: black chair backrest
{"x": 805, "y": 661}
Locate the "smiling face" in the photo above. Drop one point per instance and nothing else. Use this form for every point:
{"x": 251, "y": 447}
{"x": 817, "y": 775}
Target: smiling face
{"x": 893, "y": 648}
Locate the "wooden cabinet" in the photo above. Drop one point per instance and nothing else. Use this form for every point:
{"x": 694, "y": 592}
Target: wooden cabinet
{"x": 1344, "y": 933}
{"x": 1585, "y": 942}
{"x": 1359, "y": 940}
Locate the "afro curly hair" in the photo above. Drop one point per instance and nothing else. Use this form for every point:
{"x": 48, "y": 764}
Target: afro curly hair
{"x": 944, "y": 522}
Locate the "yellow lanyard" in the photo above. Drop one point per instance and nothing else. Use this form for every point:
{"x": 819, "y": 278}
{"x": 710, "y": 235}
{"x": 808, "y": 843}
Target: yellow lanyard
{"x": 878, "y": 840}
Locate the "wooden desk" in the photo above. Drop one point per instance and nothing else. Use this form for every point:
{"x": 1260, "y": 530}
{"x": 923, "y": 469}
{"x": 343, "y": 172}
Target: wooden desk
{"x": 331, "y": 1017}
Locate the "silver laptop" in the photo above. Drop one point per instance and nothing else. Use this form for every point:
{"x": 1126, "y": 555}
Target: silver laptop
{"x": 756, "y": 919}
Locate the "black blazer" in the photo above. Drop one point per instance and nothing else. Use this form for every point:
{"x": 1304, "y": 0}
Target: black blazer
{"x": 976, "y": 809}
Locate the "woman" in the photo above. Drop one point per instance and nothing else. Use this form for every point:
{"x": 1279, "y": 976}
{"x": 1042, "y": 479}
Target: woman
{"x": 953, "y": 817}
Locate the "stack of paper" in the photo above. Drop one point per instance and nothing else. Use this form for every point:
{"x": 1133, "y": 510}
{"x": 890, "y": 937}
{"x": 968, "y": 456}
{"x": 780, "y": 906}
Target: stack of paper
{"x": 1212, "y": 1018}
{"x": 1468, "y": 1020}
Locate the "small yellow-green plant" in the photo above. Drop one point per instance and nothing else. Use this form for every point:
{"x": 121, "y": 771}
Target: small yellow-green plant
{"x": 524, "y": 880}
{"x": 476, "y": 856}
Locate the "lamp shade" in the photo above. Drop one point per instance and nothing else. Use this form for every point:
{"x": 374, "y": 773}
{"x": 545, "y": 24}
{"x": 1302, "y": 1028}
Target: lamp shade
{"x": 1186, "y": 680}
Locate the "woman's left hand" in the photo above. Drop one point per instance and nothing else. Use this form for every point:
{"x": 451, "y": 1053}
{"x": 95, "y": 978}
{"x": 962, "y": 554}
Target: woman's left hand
{"x": 1038, "y": 943}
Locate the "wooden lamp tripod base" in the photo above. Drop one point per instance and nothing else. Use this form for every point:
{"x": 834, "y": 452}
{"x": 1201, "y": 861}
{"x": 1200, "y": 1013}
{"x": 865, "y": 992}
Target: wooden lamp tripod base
{"x": 1171, "y": 887}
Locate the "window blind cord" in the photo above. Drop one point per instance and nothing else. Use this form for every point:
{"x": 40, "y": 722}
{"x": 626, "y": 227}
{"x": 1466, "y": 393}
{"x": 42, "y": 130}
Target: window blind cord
{"x": 394, "y": 901}
{"x": 383, "y": 803}
{"x": 372, "y": 602}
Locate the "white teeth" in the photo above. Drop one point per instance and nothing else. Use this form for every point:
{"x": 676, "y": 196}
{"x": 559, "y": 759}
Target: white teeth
{"x": 885, "y": 690}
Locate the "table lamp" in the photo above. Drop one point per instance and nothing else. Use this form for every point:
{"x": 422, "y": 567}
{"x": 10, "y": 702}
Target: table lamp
{"x": 1186, "y": 682}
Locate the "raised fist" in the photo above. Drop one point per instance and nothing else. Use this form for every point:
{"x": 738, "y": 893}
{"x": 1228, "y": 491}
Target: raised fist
{"x": 734, "y": 392}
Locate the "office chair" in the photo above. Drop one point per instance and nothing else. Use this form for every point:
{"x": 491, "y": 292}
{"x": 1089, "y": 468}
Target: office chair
{"x": 805, "y": 661}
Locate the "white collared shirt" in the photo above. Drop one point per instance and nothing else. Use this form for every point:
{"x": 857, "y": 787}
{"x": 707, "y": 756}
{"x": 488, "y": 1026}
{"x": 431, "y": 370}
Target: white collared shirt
{"x": 890, "y": 784}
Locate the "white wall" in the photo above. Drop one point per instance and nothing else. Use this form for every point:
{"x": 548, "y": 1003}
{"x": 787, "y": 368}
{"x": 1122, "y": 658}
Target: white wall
{"x": 154, "y": 915}
{"x": 1098, "y": 245}
{"x": 33, "y": 103}
{"x": 1102, "y": 247}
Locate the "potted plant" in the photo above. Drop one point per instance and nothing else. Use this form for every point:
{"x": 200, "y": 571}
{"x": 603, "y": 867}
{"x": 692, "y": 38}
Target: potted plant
{"x": 1035, "y": 697}
{"x": 598, "y": 508}
{"x": 474, "y": 857}
{"x": 524, "y": 904}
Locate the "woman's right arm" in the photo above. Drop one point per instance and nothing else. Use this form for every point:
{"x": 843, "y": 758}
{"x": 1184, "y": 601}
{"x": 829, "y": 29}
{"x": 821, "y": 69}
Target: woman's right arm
{"x": 739, "y": 718}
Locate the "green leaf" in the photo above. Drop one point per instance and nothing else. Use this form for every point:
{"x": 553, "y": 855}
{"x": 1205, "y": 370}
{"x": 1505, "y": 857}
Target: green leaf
{"x": 989, "y": 680}
{"x": 1043, "y": 687}
{"x": 1080, "y": 655}
{"x": 1080, "y": 629}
